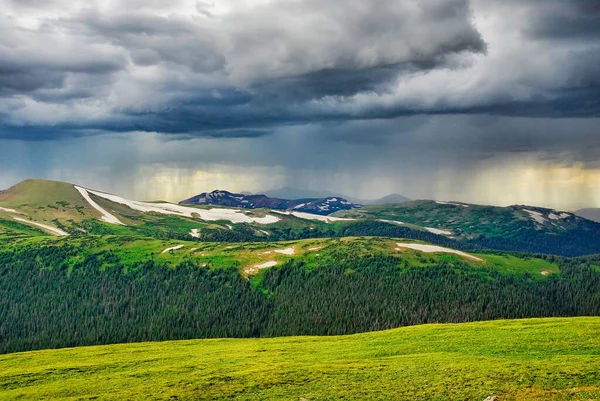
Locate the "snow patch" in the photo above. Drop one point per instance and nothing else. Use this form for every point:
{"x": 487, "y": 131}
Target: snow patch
{"x": 195, "y": 233}
{"x": 562, "y": 216}
{"x": 392, "y": 222}
{"x": 107, "y": 217}
{"x": 53, "y": 230}
{"x": 256, "y": 268}
{"x": 436, "y": 249}
{"x": 310, "y": 216}
{"x": 173, "y": 248}
{"x": 286, "y": 251}
{"x": 438, "y": 231}
{"x": 451, "y": 203}
{"x": 233, "y": 215}
{"x": 537, "y": 216}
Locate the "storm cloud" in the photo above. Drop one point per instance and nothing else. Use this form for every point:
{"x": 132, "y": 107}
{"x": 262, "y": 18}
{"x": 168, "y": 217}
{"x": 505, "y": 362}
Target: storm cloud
{"x": 400, "y": 89}
{"x": 196, "y": 68}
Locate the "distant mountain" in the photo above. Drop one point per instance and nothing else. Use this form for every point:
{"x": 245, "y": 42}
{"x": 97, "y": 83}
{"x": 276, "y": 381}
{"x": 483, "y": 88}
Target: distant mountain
{"x": 590, "y": 214}
{"x": 513, "y": 228}
{"x": 322, "y": 206}
{"x": 295, "y": 193}
{"x": 393, "y": 198}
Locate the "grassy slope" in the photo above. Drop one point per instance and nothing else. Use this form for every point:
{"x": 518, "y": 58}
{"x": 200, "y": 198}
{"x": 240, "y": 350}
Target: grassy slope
{"x": 467, "y": 222}
{"x": 44, "y": 201}
{"x": 533, "y": 359}
{"x": 243, "y": 255}
{"x": 11, "y": 229}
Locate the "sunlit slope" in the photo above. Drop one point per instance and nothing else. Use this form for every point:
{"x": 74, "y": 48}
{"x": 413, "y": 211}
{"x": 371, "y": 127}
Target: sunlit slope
{"x": 252, "y": 259}
{"x": 538, "y": 359}
{"x": 44, "y": 201}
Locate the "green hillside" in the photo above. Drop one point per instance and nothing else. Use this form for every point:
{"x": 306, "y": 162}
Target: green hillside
{"x": 116, "y": 289}
{"x": 515, "y": 228}
{"x": 467, "y": 227}
{"x": 539, "y": 359}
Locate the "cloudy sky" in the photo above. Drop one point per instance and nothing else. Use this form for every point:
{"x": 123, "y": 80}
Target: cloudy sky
{"x": 481, "y": 101}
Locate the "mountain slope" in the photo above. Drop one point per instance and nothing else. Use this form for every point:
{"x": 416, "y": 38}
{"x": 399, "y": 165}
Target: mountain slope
{"x": 517, "y": 228}
{"x": 590, "y": 214}
{"x": 324, "y": 206}
{"x": 96, "y": 288}
{"x": 537, "y": 359}
{"x": 392, "y": 198}
{"x": 44, "y": 200}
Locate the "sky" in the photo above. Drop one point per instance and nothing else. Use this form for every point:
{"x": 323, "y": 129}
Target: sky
{"x": 482, "y": 101}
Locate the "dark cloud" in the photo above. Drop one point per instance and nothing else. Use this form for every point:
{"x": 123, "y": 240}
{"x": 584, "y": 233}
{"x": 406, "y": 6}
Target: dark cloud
{"x": 161, "y": 66}
{"x": 561, "y": 19}
{"x": 355, "y": 95}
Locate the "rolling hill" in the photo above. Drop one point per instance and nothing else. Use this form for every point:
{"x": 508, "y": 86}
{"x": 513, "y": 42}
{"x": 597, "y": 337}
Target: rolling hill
{"x": 514, "y": 228}
{"x": 55, "y": 208}
{"x": 537, "y": 359}
{"x": 101, "y": 289}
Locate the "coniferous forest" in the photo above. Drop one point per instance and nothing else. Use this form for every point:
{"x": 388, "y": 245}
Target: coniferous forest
{"x": 46, "y": 304}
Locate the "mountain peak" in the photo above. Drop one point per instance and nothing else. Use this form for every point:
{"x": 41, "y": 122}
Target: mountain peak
{"x": 322, "y": 206}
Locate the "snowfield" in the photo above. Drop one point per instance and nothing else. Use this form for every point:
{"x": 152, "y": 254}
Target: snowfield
{"x": 107, "y": 217}
{"x": 435, "y": 249}
{"x": 392, "y": 222}
{"x": 310, "y": 216}
{"x": 286, "y": 251}
{"x": 53, "y": 230}
{"x": 451, "y": 203}
{"x": 255, "y": 269}
{"x": 554, "y": 216}
{"x": 233, "y": 215}
{"x": 438, "y": 231}
{"x": 537, "y": 216}
{"x": 173, "y": 248}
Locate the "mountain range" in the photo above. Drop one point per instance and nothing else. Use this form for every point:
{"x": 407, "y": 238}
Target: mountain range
{"x": 295, "y": 193}
{"x": 321, "y": 206}
{"x": 58, "y": 208}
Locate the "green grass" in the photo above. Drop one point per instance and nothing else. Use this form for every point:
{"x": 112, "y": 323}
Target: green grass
{"x": 465, "y": 222}
{"x": 533, "y": 359}
{"x": 45, "y": 201}
{"x": 313, "y": 252}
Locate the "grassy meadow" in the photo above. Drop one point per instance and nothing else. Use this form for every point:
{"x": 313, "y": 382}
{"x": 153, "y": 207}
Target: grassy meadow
{"x": 531, "y": 359}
